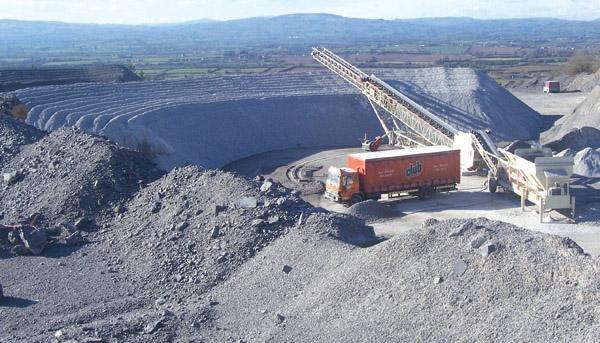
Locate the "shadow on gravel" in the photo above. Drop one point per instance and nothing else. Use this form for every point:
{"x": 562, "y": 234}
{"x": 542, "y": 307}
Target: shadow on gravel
{"x": 54, "y": 250}
{"x": 16, "y": 302}
{"x": 58, "y": 250}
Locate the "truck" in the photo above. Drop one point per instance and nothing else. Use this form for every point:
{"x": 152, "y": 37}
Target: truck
{"x": 399, "y": 172}
{"x": 552, "y": 87}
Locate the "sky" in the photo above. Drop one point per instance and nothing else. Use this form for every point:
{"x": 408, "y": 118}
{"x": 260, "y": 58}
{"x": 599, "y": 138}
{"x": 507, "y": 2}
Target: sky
{"x": 171, "y": 11}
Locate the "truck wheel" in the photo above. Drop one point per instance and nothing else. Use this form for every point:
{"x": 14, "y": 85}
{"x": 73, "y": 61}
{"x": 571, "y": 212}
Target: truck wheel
{"x": 425, "y": 193}
{"x": 492, "y": 184}
{"x": 356, "y": 198}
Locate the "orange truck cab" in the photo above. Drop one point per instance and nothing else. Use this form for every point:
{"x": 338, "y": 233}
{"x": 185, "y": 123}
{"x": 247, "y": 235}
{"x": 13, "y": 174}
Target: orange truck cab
{"x": 342, "y": 184}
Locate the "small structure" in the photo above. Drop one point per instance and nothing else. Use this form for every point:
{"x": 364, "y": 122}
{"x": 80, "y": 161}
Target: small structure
{"x": 552, "y": 87}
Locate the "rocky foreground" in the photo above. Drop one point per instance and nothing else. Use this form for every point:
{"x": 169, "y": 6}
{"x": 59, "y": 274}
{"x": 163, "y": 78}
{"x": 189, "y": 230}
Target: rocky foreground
{"x": 96, "y": 245}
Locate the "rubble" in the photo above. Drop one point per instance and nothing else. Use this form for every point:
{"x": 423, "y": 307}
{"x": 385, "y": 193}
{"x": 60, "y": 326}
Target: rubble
{"x": 417, "y": 286}
{"x": 14, "y": 135}
{"x": 132, "y": 254}
{"x": 33, "y": 239}
{"x": 459, "y": 268}
{"x": 487, "y": 249}
{"x": 59, "y": 174}
{"x": 10, "y": 177}
{"x": 587, "y": 162}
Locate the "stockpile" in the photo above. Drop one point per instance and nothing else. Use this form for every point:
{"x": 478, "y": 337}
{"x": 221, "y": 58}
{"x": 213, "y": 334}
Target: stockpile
{"x": 371, "y": 211}
{"x": 200, "y": 255}
{"x": 579, "y": 129}
{"x": 143, "y": 275}
{"x": 192, "y": 227}
{"x": 467, "y": 99}
{"x": 70, "y": 176}
{"x": 14, "y": 135}
{"x": 587, "y": 162}
{"x": 584, "y": 82}
{"x": 213, "y": 121}
{"x": 456, "y": 280}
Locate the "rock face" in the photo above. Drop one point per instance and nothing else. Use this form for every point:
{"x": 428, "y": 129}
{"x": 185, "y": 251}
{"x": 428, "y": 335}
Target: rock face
{"x": 578, "y": 130}
{"x": 214, "y": 121}
{"x": 14, "y": 79}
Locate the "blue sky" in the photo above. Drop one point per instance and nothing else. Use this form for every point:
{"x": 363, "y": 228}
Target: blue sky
{"x": 168, "y": 11}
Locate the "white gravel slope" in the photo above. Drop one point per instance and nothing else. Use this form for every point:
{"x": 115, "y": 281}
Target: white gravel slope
{"x": 215, "y": 120}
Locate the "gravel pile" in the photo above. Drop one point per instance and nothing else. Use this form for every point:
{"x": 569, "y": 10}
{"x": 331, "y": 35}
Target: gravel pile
{"x": 193, "y": 227}
{"x": 584, "y": 82}
{"x": 371, "y": 211}
{"x": 587, "y": 162}
{"x": 456, "y": 280}
{"x": 13, "y": 136}
{"x": 579, "y": 129}
{"x": 143, "y": 277}
{"x": 467, "y": 99}
{"x": 68, "y": 176}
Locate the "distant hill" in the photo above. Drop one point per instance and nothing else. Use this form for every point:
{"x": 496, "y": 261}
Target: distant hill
{"x": 303, "y": 30}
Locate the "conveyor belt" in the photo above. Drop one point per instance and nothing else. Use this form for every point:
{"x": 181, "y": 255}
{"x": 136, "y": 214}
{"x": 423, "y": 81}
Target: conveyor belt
{"x": 429, "y": 127}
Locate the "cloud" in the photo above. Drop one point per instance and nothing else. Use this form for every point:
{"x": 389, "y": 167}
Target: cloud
{"x": 161, "y": 11}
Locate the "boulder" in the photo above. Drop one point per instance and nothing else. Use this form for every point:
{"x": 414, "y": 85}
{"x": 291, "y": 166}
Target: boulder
{"x": 248, "y": 202}
{"x": 10, "y": 178}
{"x": 266, "y": 186}
{"x": 35, "y": 240}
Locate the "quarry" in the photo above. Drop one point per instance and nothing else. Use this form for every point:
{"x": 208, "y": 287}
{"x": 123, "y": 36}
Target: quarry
{"x": 194, "y": 210}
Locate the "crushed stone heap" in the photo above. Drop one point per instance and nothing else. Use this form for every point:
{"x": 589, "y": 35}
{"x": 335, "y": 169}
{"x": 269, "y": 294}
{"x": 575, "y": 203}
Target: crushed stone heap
{"x": 173, "y": 241}
{"x": 69, "y": 175}
{"x": 578, "y": 130}
{"x": 13, "y": 136}
{"x": 467, "y": 99}
{"x": 587, "y": 162}
{"x": 456, "y": 280}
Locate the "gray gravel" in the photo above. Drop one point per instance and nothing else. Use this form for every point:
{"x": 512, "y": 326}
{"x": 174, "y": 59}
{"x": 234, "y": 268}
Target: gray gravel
{"x": 512, "y": 285}
{"x": 68, "y": 175}
{"x": 201, "y": 255}
{"x": 587, "y": 162}
{"x": 132, "y": 268}
{"x": 15, "y": 135}
{"x": 372, "y": 211}
{"x": 579, "y": 129}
